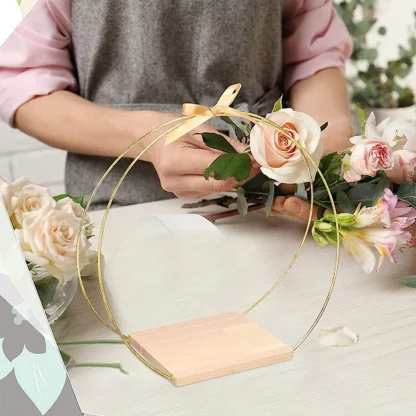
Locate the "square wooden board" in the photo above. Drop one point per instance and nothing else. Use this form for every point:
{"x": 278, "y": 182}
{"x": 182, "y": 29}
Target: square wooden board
{"x": 210, "y": 347}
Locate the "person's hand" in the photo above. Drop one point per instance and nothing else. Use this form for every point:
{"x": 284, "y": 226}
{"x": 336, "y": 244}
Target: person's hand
{"x": 296, "y": 207}
{"x": 181, "y": 164}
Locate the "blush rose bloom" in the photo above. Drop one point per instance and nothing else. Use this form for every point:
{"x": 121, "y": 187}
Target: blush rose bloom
{"x": 371, "y": 155}
{"x": 279, "y": 157}
{"x": 33, "y": 200}
{"x": 51, "y": 242}
{"x": 401, "y": 136}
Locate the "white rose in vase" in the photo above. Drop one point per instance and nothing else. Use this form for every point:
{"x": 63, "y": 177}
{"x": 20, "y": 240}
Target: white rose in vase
{"x": 33, "y": 200}
{"x": 10, "y": 192}
{"x": 51, "y": 242}
{"x": 6, "y": 195}
{"x": 279, "y": 158}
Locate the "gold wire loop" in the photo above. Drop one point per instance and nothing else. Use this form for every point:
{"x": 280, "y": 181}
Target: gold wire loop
{"x": 193, "y": 116}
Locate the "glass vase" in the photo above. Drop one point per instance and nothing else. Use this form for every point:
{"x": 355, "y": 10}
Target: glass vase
{"x": 55, "y": 297}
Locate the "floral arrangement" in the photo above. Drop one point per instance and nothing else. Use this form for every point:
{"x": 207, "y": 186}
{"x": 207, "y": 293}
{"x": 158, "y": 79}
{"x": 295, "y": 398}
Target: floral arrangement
{"x": 373, "y": 182}
{"x": 47, "y": 229}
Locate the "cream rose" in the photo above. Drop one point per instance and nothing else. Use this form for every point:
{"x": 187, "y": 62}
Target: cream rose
{"x": 68, "y": 205}
{"x": 33, "y": 200}
{"x": 6, "y": 195}
{"x": 51, "y": 243}
{"x": 279, "y": 157}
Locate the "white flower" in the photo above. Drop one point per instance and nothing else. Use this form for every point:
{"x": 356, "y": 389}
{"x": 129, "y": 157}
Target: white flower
{"x": 6, "y": 195}
{"x": 33, "y": 200}
{"x": 52, "y": 243}
{"x": 279, "y": 157}
{"x": 68, "y": 205}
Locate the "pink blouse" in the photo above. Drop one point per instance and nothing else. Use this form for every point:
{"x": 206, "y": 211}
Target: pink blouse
{"x": 35, "y": 60}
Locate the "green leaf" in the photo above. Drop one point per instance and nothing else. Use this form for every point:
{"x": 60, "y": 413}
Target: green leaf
{"x": 362, "y": 118}
{"x": 77, "y": 199}
{"x": 231, "y": 165}
{"x": 321, "y": 212}
{"x": 238, "y": 132}
{"x": 324, "y": 126}
{"x": 247, "y": 126}
{"x": 256, "y": 183}
{"x": 270, "y": 189}
{"x": 67, "y": 359}
{"x": 409, "y": 281}
{"x": 242, "y": 205}
{"x": 362, "y": 193}
{"x": 278, "y": 105}
{"x": 407, "y": 192}
{"x": 344, "y": 202}
{"x": 46, "y": 289}
{"x": 218, "y": 142}
{"x": 382, "y": 184}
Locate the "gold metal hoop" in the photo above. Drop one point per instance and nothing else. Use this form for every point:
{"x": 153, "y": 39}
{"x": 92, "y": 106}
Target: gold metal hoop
{"x": 174, "y": 125}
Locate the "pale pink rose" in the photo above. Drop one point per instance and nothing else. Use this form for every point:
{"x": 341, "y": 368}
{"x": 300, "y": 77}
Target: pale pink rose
{"x": 279, "y": 158}
{"x": 404, "y": 169}
{"x": 347, "y": 172}
{"x": 371, "y": 155}
{"x": 68, "y": 205}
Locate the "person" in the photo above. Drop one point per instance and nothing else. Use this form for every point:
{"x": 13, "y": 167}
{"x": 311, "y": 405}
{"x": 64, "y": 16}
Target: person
{"x": 91, "y": 77}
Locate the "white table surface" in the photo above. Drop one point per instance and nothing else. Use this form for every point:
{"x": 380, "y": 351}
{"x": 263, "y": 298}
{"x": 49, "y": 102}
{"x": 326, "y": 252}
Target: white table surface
{"x": 375, "y": 377}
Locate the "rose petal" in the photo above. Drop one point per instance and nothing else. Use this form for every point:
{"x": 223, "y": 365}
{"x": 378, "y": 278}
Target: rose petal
{"x": 340, "y": 336}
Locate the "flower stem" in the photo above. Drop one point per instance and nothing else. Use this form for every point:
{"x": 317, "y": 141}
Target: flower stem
{"x": 117, "y": 366}
{"x": 90, "y": 342}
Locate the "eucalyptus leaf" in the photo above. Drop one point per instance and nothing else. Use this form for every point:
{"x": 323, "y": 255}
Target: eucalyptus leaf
{"x": 344, "y": 202}
{"x": 409, "y": 281}
{"x": 270, "y": 189}
{"x": 362, "y": 193}
{"x": 242, "y": 204}
{"x": 278, "y": 105}
{"x": 301, "y": 191}
{"x": 407, "y": 192}
{"x": 237, "y": 130}
{"x": 382, "y": 184}
{"x": 218, "y": 142}
{"x": 231, "y": 165}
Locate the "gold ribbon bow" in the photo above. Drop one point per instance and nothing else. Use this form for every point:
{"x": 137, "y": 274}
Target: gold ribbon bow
{"x": 201, "y": 114}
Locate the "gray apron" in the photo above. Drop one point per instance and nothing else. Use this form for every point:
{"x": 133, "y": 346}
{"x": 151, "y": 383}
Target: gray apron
{"x": 159, "y": 54}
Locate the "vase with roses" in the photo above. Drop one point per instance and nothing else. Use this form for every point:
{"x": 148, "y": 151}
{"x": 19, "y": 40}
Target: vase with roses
{"x": 46, "y": 228}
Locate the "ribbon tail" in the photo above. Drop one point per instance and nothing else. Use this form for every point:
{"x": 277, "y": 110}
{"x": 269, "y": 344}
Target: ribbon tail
{"x": 185, "y": 128}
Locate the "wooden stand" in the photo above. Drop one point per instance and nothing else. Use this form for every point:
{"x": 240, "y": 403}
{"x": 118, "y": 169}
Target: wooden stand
{"x": 210, "y": 347}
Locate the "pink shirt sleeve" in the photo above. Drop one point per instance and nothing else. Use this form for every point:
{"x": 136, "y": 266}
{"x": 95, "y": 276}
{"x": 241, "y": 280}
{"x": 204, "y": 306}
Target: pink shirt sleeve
{"x": 314, "y": 38}
{"x": 35, "y": 60}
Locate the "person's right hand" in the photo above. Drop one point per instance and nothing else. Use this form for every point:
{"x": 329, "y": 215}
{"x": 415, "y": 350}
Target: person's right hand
{"x": 181, "y": 164}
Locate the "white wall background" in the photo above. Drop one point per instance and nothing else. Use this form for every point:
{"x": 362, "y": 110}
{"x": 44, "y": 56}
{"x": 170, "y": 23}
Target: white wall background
{"x": 24, "y": 156}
